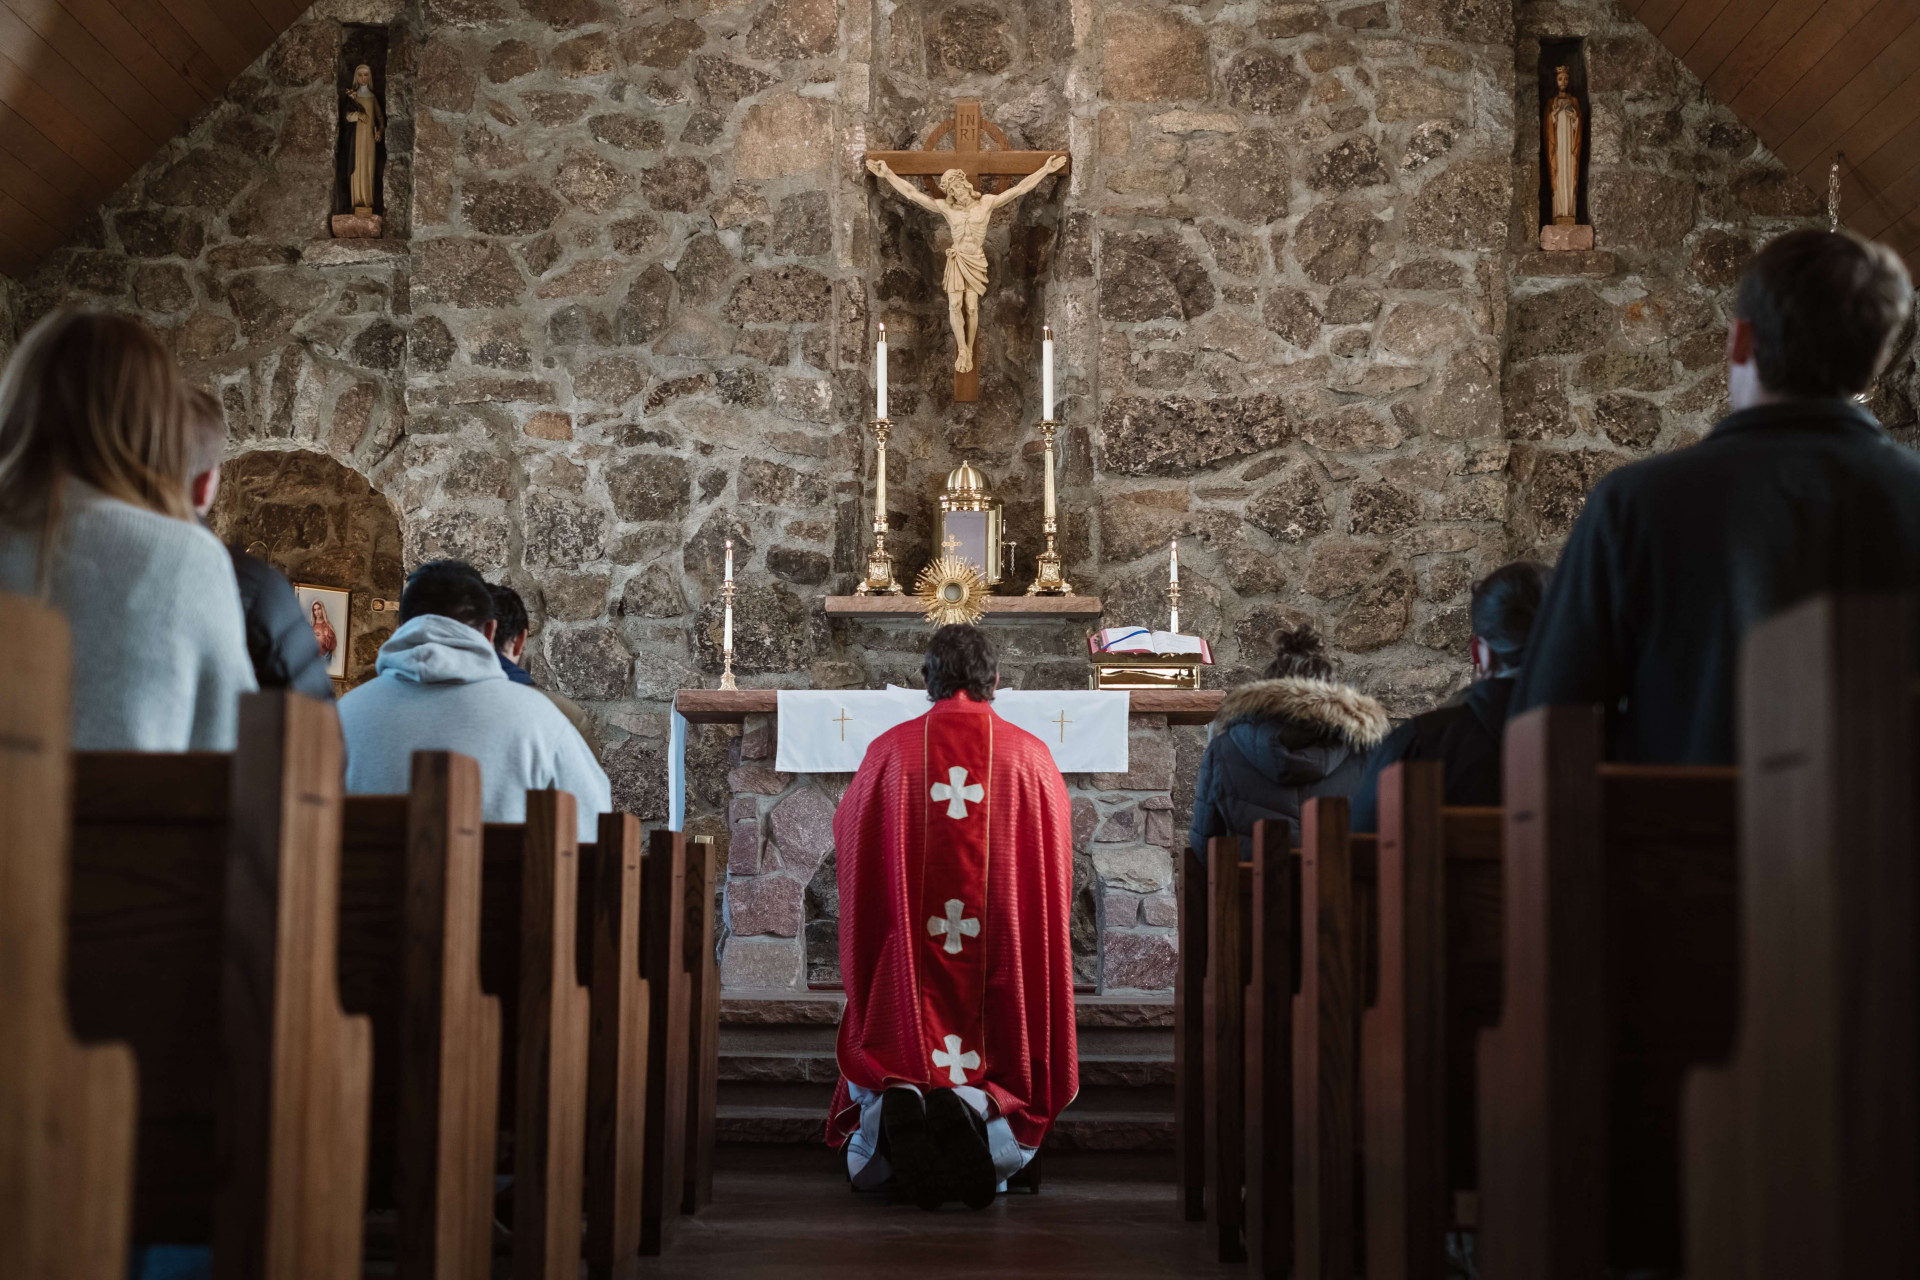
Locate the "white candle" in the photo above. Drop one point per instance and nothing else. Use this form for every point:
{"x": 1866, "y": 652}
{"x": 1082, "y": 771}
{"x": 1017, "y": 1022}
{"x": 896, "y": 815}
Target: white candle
{"x": 1173, "y": 564}
{"x": 729, "y": 559}
{"x": 1046, "y": 370}
{"x": 726, "y": 636}
{"x": 880, "y": 376}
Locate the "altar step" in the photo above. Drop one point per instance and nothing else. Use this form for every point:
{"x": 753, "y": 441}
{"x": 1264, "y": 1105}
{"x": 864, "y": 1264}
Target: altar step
{"x": 777, "y": 1071}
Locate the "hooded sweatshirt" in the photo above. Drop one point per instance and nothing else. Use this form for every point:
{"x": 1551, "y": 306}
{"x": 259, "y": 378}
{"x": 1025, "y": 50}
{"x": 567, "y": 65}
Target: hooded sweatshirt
{"x": 1275, "y": 745}
{"x": 439, "y": 687}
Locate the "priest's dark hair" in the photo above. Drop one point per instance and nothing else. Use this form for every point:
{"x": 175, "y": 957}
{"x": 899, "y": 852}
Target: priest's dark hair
{"x": 960, "y": 659}
{"x": 510, "y": 611}
{"x": 451, "y": 588}
{"x": 1300, "y": 652}
{"x": 1825, "y": 308}
{"x": 1504, "y": 603}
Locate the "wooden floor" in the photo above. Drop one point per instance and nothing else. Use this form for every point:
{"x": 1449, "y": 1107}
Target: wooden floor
{"x": 787, "y": 1212}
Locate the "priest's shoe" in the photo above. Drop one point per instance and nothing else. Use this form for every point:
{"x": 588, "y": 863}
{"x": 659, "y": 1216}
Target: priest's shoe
{"x": 917, "y": 1164}
{"x": 961, "y": 1136}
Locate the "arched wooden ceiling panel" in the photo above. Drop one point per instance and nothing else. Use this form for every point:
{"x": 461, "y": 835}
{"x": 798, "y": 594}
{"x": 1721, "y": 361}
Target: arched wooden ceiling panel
{"x": 1815, "y": 78}
{"x": 90, "y": 89}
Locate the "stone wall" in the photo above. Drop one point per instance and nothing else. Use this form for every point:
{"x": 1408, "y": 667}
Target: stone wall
{"x": 626, "y": 305}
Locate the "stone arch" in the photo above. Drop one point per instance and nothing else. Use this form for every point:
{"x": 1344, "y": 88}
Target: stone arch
{"x": 321, "y": 522}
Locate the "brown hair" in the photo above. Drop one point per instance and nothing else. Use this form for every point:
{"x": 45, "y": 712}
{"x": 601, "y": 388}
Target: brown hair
{"x": 1300, "y": 652}
{"x": 206, "y": 432}
{"x": 94, "y": 396}
{"x": 1824, "y": 307}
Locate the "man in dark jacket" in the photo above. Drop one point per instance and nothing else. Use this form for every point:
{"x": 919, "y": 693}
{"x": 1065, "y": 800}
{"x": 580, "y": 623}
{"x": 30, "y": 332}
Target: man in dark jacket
{"x": 1281, "y": 741}
{"x": 280, "y": 636}
{"x": 1465, "y": 735}
{"x": 1796, "y": 492}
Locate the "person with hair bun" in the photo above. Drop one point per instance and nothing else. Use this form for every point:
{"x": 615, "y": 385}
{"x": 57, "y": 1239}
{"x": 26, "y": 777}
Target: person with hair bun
{"x": 97, "y": 519}
{"x": 1279, "y": 741}
{"x": 1465, "y": 734}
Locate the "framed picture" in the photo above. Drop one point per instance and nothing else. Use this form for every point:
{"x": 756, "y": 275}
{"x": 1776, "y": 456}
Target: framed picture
{"x": 326, "y": 609}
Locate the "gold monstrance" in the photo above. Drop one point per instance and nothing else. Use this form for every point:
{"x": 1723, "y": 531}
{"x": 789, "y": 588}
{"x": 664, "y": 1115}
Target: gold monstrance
{"x": 968, "y": 524}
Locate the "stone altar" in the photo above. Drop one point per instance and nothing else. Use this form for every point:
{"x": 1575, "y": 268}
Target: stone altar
{"x": 780, "y": 909}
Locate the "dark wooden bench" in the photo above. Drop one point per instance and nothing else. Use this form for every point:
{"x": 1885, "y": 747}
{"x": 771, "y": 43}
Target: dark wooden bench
{"x": 1229, "y": 895}
{"x": 1189, "y": 1036}
{"x": 67, "y": 1110}
{"x": 663, "y": 876}
{"x": 530, "y": 957}
{"x": 703, "y": 1022}
{"x": 1619, "y": 976}
{"x": 611, "y": 921}
{"x": 410, "y": 874}
{"x": 1803, "y": 1153}
{"x": 202, "y": 922}
{"x": 1434, "y": 984}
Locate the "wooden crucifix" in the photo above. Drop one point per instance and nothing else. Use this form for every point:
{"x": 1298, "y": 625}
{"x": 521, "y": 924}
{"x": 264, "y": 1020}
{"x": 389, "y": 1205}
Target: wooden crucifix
{"x": 974, "y": 183}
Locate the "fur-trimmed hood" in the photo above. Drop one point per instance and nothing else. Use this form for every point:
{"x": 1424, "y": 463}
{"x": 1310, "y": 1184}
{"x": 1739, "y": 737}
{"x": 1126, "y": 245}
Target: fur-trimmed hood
{"x": 1341, "y": 710}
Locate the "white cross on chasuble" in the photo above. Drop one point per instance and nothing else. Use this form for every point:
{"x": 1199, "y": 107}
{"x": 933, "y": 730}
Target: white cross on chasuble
{"x": 956, "y": 834}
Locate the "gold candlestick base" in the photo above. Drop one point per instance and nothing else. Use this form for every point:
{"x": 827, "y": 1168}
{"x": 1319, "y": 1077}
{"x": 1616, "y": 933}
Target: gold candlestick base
{"x": 880, "y": 580}
{"x": 1049, "y": 578}
{"x": 726, "y": 654}
{"x": 1173, "y": 607}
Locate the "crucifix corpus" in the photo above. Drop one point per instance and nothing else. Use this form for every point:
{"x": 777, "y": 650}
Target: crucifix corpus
{"x": 967, "y": 208}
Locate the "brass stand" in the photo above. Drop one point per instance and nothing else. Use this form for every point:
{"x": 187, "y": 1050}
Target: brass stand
{"x": 1048, "y": 579}
{"x": 726, "y": 652}
{"x": 879, "y": 580}
{"x": 1173, "y": 607}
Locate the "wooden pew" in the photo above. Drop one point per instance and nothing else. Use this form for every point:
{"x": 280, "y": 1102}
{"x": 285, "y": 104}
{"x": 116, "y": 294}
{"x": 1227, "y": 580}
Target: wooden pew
{"x": 1189, "y": 1037}
{"x": 202, "y": 932}
{"x": 1229, "y": 892}
{"x": 703, "y": 1023}
{"x": 410, "y": 873}
{"x": 663, "y": 876}
{"x": 1273, "y": 968}
{"x": 1619, "y": 976}
{"x": 529, "y": 956}
{"x": 67, "y": 1111}
{"x": 1334, "y": 901}
{"x": 611, "y": 912}
{"x": 1435, "y": 986}
{"x": 1803, "y": 1154}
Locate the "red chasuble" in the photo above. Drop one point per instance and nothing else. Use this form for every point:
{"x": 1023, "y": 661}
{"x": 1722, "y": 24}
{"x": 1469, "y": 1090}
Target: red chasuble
{"x": 954, "y": 848}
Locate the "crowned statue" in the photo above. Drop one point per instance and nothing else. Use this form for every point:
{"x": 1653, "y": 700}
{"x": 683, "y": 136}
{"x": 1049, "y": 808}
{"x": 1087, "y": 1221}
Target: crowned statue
{"x": 967, "y": 212}
{"x": 1562, "y": 127}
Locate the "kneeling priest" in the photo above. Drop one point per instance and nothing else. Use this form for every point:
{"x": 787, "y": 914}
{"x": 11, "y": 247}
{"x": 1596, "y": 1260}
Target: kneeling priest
{"x": 954, "y": 850}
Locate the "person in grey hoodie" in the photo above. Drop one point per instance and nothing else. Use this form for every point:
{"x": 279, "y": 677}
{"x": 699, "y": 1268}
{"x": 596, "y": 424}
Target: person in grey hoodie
{"x": 438, "y": 686}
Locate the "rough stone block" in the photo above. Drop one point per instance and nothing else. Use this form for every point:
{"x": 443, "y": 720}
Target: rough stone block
{"x": 757, "y": 779}
{"x": 1139, "y": 961}
{"x": 802, "y": 825}
{"x": 1162, "y": 911}
{"x": 1122, "y": 826}
{"x": 743, "y": 848}
{"x": 1119, "y": 910}
{"x": 756, "y": 738}
{"x": 1149, "y": 766}
{"x": 760, "y": 964}
{"x": 767, "y": 904}
{"x": 1560, "y": 238}
{"x": 1139, "y": 867}
{"x": 1160, "y": 829}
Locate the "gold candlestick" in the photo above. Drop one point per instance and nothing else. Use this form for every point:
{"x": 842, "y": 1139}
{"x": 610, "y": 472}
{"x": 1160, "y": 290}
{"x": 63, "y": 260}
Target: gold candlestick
{"x": 1048, "y": 579}
{"x": 1173, "y": 607}
{"x": 726, "y": 650}
{"x": 879, "y": 580}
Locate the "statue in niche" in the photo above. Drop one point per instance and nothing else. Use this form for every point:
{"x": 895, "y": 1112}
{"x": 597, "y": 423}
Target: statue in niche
{"x": 967, "y": 212}
{"x": 364, "y": 124}
{"x": 1562, "y": 128}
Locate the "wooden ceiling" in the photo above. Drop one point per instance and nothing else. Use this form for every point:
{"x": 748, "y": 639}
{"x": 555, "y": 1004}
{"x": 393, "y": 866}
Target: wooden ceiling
{"x": 90, "y": 89}
{"x": 1814, "y": 78}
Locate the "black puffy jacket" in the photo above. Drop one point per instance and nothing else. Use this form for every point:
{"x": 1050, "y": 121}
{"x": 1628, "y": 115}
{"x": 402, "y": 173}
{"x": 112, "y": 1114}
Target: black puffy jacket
{"x": 1277, "y": 744}
{"x": 1464, "y": 736}
{"x": 279, "y": 635}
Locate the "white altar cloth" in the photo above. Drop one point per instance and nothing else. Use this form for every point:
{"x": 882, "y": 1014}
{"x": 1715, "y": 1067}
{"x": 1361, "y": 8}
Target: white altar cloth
{"x": 829, "y": 730}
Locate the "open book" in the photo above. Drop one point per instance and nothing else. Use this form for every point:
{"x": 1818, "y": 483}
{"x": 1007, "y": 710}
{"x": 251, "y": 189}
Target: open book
{"x": 1140, "y": 641}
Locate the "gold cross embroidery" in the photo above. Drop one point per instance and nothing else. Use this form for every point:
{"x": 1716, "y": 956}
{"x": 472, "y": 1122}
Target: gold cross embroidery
{"x": 1063, "y": 722}
{"x": 951, "y": 545}
{"x": 842, "y": 720}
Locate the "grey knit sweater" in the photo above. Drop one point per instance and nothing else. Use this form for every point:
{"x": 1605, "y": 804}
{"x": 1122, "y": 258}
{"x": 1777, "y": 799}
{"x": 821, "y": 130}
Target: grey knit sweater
{"x": 159, "y": 647}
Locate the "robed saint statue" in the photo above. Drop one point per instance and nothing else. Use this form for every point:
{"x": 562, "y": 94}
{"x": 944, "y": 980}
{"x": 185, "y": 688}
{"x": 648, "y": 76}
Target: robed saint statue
{"x": 1561, "y": 127}
{"x": 369, "y": 124}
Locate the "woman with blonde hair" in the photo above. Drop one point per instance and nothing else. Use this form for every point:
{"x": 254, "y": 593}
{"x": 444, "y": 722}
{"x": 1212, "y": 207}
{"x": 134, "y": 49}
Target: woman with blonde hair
{"x": 96, "y": 518}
